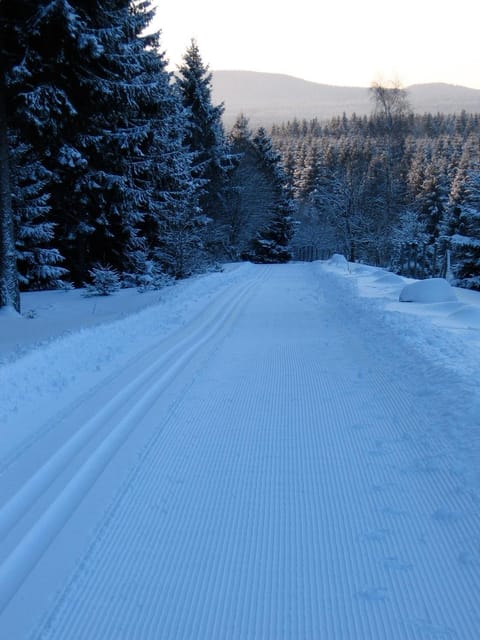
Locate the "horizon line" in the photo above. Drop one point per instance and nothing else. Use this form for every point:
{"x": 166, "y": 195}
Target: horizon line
{"x": 343, "y": 86}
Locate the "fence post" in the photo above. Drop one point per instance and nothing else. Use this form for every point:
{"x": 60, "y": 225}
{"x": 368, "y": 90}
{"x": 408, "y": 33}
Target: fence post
{"x": 448, "y": 268}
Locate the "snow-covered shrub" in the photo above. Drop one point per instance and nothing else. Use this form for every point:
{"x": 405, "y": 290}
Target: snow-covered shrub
{"x": 151, "y": 277}
{"x": 157, "y": 279}
{"x": 105, "y": 281}
{"x": 66, "y": 285}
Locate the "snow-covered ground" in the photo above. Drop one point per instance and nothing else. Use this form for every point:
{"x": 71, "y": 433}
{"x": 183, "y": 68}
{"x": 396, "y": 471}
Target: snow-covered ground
{"x": 277, "y": 452}
{"x": 65, "y": 344}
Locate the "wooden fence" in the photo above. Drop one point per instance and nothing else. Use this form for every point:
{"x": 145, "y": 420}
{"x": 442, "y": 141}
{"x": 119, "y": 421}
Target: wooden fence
{"x": 310, "y": 253}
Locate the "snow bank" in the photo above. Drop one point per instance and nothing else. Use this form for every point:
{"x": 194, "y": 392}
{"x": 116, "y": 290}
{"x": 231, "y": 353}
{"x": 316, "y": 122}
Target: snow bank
{"x": 425, "y": 291}
{"x": 447, "y": 332}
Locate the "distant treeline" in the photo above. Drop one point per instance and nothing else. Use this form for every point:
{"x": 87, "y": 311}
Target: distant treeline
{"x": 395, "y": 189}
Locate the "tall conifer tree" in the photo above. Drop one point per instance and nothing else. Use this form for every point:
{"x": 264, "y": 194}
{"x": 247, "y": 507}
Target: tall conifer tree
{"x": 271, "y": 243}
{"x": 205, "y": 137}
{"x": 261, "y": 204}
{"x": 464, "y": 231}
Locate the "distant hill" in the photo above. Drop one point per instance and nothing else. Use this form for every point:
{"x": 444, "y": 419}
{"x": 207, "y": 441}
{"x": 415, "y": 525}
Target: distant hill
{"x": 268, "y": 98}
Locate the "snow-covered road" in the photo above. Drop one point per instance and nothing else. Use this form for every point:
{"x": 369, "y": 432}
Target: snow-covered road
{"x": 282, "y": 467}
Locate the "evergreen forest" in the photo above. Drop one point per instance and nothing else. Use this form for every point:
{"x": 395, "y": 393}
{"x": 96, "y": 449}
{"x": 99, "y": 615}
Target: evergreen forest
{"x": 114, "y": 168}
{"x": 395, "y": 189}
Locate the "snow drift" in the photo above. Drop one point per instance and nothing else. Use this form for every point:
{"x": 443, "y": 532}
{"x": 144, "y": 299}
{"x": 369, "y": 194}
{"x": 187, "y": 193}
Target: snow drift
{"x": 431, "y": 290}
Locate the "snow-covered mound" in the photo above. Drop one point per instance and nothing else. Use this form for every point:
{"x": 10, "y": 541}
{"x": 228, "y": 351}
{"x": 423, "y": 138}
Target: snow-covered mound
{"x": 339, "y": 261}
{"x": 431, "y": 290}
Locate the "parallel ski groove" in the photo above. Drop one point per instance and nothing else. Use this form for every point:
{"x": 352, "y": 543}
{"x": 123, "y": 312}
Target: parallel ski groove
{"x": 39, "y": 482}
{"x": 280, "y": 504}
{"x": 19, "y": 562}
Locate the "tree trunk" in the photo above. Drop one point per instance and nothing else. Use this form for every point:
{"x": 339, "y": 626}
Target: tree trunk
{"x": 9, "y": 293}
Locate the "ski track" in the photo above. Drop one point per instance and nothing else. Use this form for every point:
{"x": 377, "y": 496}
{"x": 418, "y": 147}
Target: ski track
{"x": 137, "y": 395}
{"x": 117, "y": 419}
{"x": 309, "y": 490}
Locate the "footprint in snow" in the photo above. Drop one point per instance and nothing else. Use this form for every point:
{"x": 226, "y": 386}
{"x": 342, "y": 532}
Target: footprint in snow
{"x": 395, "y": 564}
{"x": 376, "y": 535}
{"x": 445, "y": 515}
{"x": 359, "y": 426}
{"x": 427, "y": 465}
{"x": 468, "y": 559}
{"x": 434, "y": 631}
{"x": 393, "y": 511}
{"x": 380, "y": 448}
{"x": 374, "y": 594}
{"x": 384, "y": 487}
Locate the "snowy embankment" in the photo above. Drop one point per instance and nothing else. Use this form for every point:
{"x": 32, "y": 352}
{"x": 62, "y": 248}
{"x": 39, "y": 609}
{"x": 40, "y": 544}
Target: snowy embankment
{"x": 429, "y": 316}
{"x": 274, "y": 452}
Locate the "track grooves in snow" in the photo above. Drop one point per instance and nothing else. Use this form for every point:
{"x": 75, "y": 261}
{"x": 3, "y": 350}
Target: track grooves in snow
{"x": 294, "y": 494}
{"x": 122, "y": 414}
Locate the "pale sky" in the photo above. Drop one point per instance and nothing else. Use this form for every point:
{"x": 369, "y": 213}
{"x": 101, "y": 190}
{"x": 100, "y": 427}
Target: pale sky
{"x": 341, "y": 42}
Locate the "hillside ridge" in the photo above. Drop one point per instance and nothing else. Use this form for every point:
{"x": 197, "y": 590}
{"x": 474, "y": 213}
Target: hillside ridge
{"x": 267, "y": 98}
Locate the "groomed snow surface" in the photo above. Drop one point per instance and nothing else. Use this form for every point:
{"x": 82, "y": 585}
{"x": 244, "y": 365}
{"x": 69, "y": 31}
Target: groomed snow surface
{"x": 284, "y": 452}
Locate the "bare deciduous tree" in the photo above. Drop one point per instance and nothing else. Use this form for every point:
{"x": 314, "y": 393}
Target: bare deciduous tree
{"x": 392, "y": 108}
{"x": 390, "y": 103}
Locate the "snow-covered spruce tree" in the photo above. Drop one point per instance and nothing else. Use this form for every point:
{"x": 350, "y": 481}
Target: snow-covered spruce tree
{"x": 464, "y": 228}
{"x": 171, "y": 225}
{"x": 86, "y": 119}
{"x": 112, "y": 137}
{"x": 39, "y": 263}
{"x": 451, "y": 220}
{"x": 38, "y": 258}
{"x": 104, "y": 280}
{"x": 431, "y": 203}
{"x": 271, "y": 243}
{"x": 260, "y": 205}
{"x": 206, "y": 139}
{"x": 174, "y": 225}
{"x": 426, "y": 200}
{"x": 408, "y": 238}
{"x": 44, "y": 92}
{"x": 342, "y": 191}
{"x": 241, "y": 211}
{"x": 151, "y": 212}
